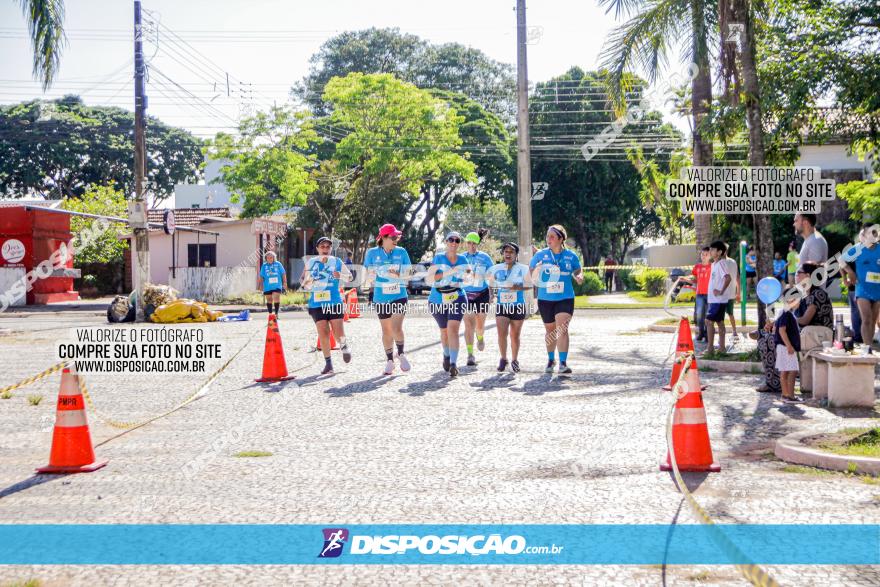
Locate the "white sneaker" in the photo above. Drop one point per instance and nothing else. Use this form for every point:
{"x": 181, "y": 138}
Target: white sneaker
{"x": 404, "y": 363}
{"x": 389, "y": 367}
{"x": 346, "y": 353}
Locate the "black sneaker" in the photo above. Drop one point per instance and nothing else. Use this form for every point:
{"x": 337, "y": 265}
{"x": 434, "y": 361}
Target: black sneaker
{"x": 564, "y": 369}
{"x": 446, "y": 363}
{"x": 453, "y": 370}
{"x": 328, "y": 369}
{"x": 515, "y": 366}
{"x": 502, "y": 364}
{"x": 472, "y": 361}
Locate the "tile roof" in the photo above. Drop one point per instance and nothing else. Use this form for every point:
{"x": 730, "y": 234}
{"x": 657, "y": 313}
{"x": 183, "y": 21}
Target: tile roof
{"x": 190, "y": 216}
{"x": 40, "y": 203}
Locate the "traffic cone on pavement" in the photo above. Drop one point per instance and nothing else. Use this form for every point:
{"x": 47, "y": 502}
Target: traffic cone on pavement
{"x": 274, "y": 365}
{"x": 684, "y": 346}
{"x": 333, "y": 346}
{"x": 352, "y": 304}
{"x": 690, "y": 433}
{"x": 72, "y": 450}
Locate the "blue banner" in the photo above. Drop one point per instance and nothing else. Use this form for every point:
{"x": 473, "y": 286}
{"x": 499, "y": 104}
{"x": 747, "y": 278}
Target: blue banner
{"x": 628, "y": 544}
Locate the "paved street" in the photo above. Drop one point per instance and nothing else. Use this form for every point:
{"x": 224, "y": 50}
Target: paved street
{"x": 414, "y": 448}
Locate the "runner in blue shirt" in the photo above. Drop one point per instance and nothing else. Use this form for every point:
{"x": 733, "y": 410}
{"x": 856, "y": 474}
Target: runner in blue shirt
{"x": 388, "y": 267}
{"x": 477, "y": 291}
{"x": 510, "y": 280}
{"x": 447, "y": 302}
{"x": 863, "y": 267}
{"x": 272, "y": 281}
{"x": 553, "y": 270}
{"x": 321, "y": 278}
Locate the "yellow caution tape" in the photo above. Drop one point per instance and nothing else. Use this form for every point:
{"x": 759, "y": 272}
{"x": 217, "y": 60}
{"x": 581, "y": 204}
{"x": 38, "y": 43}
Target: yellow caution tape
{"x": 616, "y": 267}
{"x": 37, "y": 377}
{"x": 752, "y": 572}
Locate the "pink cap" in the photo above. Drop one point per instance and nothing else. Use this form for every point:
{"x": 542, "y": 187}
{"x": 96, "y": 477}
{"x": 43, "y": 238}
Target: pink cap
{"x": 389, "y": 230}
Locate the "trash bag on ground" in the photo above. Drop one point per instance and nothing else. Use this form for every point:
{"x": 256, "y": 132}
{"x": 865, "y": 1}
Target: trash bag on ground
{"x": 183, "y": 311}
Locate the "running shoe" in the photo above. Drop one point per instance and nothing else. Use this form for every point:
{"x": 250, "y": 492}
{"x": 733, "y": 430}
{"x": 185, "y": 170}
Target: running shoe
{"x": 481, "y": 344}
{"x": 453, "y": 370}
{"x": 328, "y": 369}
{"x": 389, "y": 367}
{"x": 472, "y": 361}
{"x": 564, "y": 369}
{"x": 346, "y": 353}
{"x": 502, "y": 364}
{"x": 446, "y": 363}
{"x": 734, "y": 340}
{"x": 792, "y": 400}
{"x": 550, "y": 366}
{"x": 404, "y": 363}
{"x": 514, "y": 364}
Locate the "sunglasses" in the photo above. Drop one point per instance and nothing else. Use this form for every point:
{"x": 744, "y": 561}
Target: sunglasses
{"x": 454, "y": 240}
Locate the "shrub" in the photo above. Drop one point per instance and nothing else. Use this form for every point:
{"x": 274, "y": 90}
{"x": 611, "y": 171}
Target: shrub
{"x": 652, "y": 281}
{"x": 686, "y": 296}
{"x": 628, "y": 278}
{"x": 591, "y": 286}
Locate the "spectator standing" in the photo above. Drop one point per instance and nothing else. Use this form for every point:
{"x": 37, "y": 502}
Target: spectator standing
{"x": 779, "y": 267}
{"x": 788, "y": 345}
{"x": 722, "y": 289}
{"x": 751, "y": 270}
{"x": 609, "y": 273}
{"x": 815, "y": 314}
{"x": 700, "y": 280}
{"x": 864, "y": 270}
{"x": 815, "y": 247}
{"x": 792, "y": 262}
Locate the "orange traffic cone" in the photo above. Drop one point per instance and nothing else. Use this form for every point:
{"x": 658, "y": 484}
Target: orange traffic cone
{"x": 684, "y": 346}
{"x": 690, "y": 434}
{"x": 352, "y": 304}
{"x": 72, "y": 450}
{"x": 274, "y": 365}
{"x": 333, "y": 346}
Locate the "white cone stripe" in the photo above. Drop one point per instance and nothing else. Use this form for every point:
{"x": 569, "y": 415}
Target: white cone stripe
{"x": 689, "y": 416}
{"x": 70, "y": 418}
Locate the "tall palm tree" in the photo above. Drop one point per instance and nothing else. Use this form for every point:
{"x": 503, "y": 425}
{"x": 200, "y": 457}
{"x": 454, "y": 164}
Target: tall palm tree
{"x": 45, "y": 20}
{"x": 644, "y": 40}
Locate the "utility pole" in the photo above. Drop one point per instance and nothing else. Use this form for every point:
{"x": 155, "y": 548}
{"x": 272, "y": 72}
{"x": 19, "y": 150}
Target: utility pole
{"x": 140, "y": 258}
{"x": 523, "y": 159}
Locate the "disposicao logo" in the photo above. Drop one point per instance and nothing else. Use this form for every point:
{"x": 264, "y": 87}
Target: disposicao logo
{"x": 334, "y": 540}
{"x": 472, "y": 545}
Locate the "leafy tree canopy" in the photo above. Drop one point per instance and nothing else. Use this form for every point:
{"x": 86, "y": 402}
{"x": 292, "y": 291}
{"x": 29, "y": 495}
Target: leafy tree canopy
{"x": 105, "y": 201}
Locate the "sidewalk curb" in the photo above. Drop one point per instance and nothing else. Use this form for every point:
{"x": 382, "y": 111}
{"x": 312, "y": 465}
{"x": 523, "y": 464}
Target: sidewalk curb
{"x": 791, "y": 449}
{"x": 674, "y": 328}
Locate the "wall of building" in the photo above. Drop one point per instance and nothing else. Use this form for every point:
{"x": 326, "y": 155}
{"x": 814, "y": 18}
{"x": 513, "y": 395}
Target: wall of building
{"x": 833, "y": 158}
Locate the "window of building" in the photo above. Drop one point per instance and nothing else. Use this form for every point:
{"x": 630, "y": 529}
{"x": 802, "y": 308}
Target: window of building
{"x": 201, "y": 255}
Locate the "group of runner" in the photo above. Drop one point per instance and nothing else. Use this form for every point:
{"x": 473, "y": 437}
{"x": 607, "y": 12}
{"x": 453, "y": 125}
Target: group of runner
{"x": 462, "y": 279}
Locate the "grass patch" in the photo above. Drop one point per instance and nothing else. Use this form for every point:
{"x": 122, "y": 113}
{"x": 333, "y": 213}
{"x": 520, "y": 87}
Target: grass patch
{"x": 34, "y": 399}
{"x": 805, "y": 470}
{"x": 700, "y": 577}
{"x": 746, "y": 357}
{"x": 252, "y": 454}
{"x": 6, "y": 395}
{"x": 865, "y": 442}
{"x": 26, "y": 583}
{"x": 288, "y": 298}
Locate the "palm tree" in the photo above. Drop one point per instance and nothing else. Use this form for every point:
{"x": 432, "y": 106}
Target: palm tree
{"x": 45, "y": 20}
{"x": 644, "y": 41}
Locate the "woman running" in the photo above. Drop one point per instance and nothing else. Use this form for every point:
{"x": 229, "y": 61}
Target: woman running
{"x": 321, "y": 278}
{"x": 272, "y": 279}
{"x": 553, "y": 269}
{"x": 477, "y": 292}
{"x": 511, "y": 279}
{"x": 447, "y": 302}
{"x": 388, "y": 266}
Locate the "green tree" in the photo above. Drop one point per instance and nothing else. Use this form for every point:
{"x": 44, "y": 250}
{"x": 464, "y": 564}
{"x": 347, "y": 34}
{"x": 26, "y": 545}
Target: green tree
{"x": 269, "y": 161}
{"x": 61, "y": 147}
{"x": 45, "y": 20}
{"x": 494, "y": 215}
{"x": 862, "y": 199}
{"x": 105, "y": 201}
{"x": 395, "y": 138}
{"x": 655, "y": 175}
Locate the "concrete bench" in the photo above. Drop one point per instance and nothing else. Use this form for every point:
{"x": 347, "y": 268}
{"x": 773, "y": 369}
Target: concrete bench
{"x": 846, "y": 380}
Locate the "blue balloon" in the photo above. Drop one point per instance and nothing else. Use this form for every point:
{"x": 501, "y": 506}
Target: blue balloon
{"x": 769, "y": 290}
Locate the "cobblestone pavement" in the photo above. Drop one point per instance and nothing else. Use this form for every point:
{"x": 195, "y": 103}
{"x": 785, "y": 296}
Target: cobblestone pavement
{"x": 415, "y": 448}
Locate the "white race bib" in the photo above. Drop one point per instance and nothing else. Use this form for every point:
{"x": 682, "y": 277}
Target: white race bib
{"x": 273, "y": 281}
{"x": 508, "y": 297}
{"x": 390, "y": 288}
{"x": 450, "y": 297}
{"x": 557, "y": 287}
{"x": 323, "y": 296}
{"x": 872, "y": 277}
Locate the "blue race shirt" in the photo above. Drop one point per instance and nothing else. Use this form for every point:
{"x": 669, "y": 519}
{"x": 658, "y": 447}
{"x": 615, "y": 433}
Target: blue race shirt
{"x": 867, "y": 268}
{"x": 479, "y": 263}
{"x": 325, "y": 288}
{"x": 388, "y": 288}
{"x": 555, "y": 280}
{"x": 451, "y": 277}
{"x": 273, "y": 276}
{"x": 505, "y": 278}
{"x": 779, "y": 267}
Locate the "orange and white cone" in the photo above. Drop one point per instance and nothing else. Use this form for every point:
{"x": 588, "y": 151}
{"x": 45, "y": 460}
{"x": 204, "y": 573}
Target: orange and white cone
{"x": 274, "y": 365}
{"x": 72, "y": 450}
{"x": 352, "y": 304}
{"x": 333, "y": 346}
{"x": 684, "y": 347}
{"x": 690, "y": 432}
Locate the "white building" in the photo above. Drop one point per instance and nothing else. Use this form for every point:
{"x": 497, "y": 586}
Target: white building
{"x": 206, "y": 194}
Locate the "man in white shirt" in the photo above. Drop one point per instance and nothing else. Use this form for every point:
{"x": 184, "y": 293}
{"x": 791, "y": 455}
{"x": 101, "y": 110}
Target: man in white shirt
{"x": 722, "y": 289}
{"x": 814, "y": 251}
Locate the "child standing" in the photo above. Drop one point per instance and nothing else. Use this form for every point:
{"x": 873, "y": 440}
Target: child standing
{"x": 788, "y": 345}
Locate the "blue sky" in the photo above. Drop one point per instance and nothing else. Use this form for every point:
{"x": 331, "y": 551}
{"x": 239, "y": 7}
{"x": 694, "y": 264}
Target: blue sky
{"x": 265, "y": 45}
